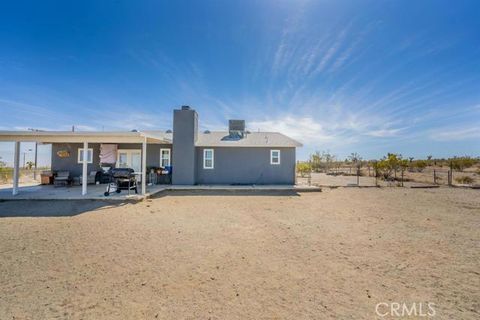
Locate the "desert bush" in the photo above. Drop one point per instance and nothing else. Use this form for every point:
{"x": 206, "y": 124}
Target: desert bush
{"x": 419, "y": 165}
{"x": 389, "y": 165}
{"x": 316, "y": 161}
{"x": 322, "y": 161}
{"x": 462, "y": 163}
{"x": 304, "y": 168}
{"x": 6, "y": 174}
{"x": 464, "y": 180}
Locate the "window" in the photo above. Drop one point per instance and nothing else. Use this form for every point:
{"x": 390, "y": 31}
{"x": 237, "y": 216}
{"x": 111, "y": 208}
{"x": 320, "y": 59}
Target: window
{"x": 164, "y": 158}
{"x": 208, "y": 159}
{"x": 274, "y": 156}
{"x": 89, "y": 155}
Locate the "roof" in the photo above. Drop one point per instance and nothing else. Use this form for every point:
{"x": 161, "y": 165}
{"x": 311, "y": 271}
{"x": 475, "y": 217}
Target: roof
{"x": 253, "y": 139}
{"x": 212, "y": 139}
{"x": 167, "y": 136}
{"x": 88, "y": 136}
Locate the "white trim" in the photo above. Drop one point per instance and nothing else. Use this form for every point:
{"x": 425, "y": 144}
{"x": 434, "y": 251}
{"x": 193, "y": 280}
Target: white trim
{"x": 271, "y": 157}
{"x": 144, "y": 167}
{"x": 78, "y": 155}
{"x": 16, "y": 168}
{"x": 204, "y": 159}
{"x": 169, "y": 156}
{"x": 85, "y": 166}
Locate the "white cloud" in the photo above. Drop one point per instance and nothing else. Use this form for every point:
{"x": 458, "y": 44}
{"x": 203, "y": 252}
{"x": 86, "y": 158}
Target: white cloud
{"x": 455, "y": 134}
{"x": 385, "y": 133}
{"x": 304, "y": 129}
{"x": 129, "y": 120}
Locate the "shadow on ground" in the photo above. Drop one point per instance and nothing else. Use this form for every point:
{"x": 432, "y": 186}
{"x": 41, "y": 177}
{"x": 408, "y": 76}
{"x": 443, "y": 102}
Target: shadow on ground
{"x": 69, "y": 208}
{"x": 53, "y": 208}
{"x": 223, "y": 192}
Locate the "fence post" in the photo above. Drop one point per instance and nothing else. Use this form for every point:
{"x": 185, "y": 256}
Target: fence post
{"x": 451, "y": 174}
{"x": 402, "y": 176}
{"x": 434, "y": 177}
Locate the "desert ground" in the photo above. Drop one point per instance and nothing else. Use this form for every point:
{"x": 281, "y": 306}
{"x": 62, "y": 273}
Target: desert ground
{"x": 197, "y": 255}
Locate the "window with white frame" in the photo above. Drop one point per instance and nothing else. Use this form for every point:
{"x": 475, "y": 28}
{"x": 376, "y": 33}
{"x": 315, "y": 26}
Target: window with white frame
{"x": 164, "y": 158}
{"x": 274, "y": 156}
{"x": 207, "y": 158}
{"x": 89, "y": 155}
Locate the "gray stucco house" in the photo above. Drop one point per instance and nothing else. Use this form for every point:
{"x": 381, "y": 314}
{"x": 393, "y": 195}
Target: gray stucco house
{"x": 234, "y": 156}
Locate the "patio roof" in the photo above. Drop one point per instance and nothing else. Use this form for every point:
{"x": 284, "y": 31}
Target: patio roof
{"x": 85, "y": 137}
{"x": 89, "y": 136}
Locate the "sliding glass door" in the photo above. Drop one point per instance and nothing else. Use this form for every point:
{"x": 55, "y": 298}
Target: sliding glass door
{"x": 129, "y": 158}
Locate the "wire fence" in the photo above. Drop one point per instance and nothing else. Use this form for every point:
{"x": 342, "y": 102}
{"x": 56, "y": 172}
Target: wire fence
{"x": 430, "y": 176}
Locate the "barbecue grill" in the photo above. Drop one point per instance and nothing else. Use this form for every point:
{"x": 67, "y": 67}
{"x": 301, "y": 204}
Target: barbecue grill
{"x": 121, "y": 179}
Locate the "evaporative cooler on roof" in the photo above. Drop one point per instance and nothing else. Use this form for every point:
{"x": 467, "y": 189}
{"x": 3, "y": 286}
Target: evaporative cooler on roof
{"x": 236, "y": 128}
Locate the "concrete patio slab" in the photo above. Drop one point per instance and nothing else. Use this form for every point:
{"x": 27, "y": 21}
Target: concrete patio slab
{"x": 297, "y": 188}
{"x": 96, "y": 192}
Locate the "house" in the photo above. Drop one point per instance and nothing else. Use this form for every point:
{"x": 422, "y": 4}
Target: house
{"x": 236, "y": 156}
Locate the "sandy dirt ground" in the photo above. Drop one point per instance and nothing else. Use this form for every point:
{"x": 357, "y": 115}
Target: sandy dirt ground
{"x": 187, "y": 255}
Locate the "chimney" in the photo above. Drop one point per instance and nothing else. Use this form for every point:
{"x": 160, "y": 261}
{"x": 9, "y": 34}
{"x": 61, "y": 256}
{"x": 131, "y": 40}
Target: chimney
{"x": 185, "y": 133}
{"x": 236, "y": 128}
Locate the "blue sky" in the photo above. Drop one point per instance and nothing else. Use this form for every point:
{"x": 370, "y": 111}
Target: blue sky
{"x": 347, "y": 76}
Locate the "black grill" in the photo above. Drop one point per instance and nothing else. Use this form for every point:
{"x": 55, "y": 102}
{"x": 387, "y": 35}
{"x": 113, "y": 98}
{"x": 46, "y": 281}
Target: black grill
{"x": 121, "y": 179}
{"x": 123, "y": 173}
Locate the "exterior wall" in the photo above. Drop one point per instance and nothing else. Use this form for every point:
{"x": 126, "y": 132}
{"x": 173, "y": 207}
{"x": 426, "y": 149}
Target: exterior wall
{"x": 71, "y": 163}
{"x": 185, "y": 131}
{"x": 153, "y": 152}
{"x": 246, "y": 166}
{"x": 75, "y": 168}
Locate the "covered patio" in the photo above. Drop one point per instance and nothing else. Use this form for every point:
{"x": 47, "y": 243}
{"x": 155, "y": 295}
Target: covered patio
{"x": 85, "y": 139}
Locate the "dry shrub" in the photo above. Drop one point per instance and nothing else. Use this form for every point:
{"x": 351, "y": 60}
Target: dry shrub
{"x": 464, "y": 180}
{"x": 304, "y": 168}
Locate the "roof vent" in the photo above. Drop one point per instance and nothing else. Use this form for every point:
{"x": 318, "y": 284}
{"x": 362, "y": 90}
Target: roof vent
{"x": 186, "y": 108}
{"x": 206, "y": 131}
{"x": 236, "y": 128}
{"x": 168, "y": 131}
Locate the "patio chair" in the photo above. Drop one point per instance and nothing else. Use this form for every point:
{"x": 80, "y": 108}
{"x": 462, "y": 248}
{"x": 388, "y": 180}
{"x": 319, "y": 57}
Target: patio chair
{"x": 62, "y": 179}
{"x": 90, "y": 178}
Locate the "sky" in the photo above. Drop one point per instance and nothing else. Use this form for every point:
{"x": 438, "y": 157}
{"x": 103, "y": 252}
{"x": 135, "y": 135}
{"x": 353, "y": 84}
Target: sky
{"x": 345, "y": 76}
